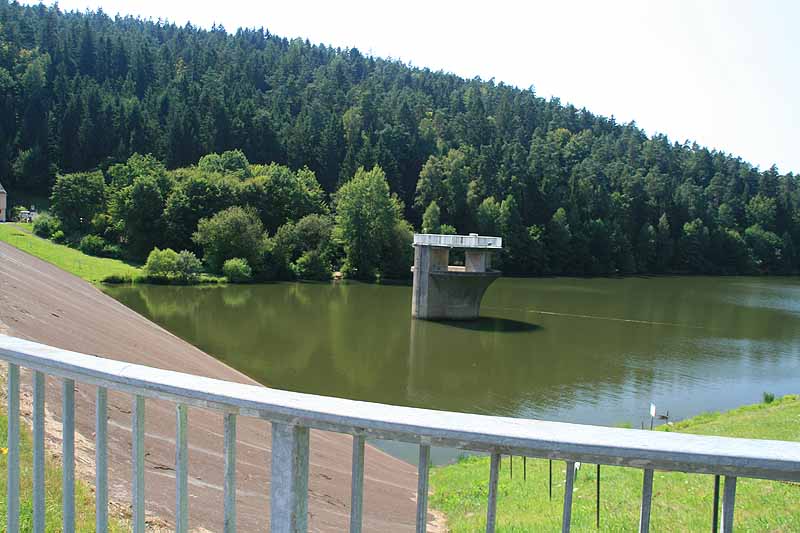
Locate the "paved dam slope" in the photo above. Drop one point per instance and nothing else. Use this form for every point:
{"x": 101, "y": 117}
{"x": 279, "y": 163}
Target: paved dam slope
{"x": 42, "y": 303}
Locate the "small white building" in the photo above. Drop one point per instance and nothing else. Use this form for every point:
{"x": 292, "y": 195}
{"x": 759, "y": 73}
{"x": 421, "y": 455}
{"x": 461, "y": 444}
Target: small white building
{"x": 3, "y": 204}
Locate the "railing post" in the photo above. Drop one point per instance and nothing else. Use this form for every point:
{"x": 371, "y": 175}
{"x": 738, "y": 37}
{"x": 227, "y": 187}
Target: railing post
{"x": 566, "y": 518}
{"x": 137, "y": 445}
{"x": 647, "y": 499}
{"x": 728, "y": 502}
{"x": 181, "y": 471}
{"x": 101, "y": 460}
{"x": 68, "y": 456}
{"x": 230, "y": 473}
{"x": 715, "y": 506}
{"x": 357, "y": 484}
{"x": 494, "y": 475}
{"x": 597, "y": 501}
{"x": 12, "y": 507}
{"x": 38, "y": 453}
{"x": 422, "y": 487}
{"x": 289, "y": 479}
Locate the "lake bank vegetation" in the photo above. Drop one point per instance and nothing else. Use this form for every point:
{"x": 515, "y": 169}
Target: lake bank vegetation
{"x": 681, "y": 502}
{"x": 89, "y": 268}
{"x": 571, "y": 192}
{"x": 247, "y": 222}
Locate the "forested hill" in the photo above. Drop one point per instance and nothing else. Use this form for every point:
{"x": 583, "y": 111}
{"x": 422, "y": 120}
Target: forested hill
{"x": 572, "y": 192}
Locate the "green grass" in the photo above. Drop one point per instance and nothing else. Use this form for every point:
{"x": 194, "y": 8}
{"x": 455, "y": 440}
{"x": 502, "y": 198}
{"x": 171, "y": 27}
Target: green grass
{"x": 681, "y": 502}
{"x": 93, "y": 269}
{"x": 84, "y": 497}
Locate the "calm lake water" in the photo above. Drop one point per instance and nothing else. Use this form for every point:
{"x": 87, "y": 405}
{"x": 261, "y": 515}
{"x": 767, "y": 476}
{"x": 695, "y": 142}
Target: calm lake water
{"x": 581, "y": 350}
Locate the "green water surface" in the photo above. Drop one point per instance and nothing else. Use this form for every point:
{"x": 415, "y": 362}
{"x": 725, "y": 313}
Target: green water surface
{"x": 580, "y": 350}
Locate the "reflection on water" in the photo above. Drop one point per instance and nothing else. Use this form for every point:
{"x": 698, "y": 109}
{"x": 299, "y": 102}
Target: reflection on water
{"x": 583, "y": 350}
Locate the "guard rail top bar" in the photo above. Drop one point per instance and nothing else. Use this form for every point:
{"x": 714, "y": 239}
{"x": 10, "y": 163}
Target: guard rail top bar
{"x": 292, "y": 414}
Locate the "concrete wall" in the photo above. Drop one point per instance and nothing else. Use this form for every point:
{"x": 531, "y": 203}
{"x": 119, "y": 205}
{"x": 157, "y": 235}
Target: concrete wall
{"x": 442, "y": 294}
{"x": 457, "y": 295}
{"x": 440, "y": 258}
{"x": 3, "y": 207}
{"x": 477, "y": 261}
{"x": 419, "y": 293}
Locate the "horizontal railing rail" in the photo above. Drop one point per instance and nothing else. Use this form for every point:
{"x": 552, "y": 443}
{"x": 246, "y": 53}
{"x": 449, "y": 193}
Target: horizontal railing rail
{"x": 458, "y": 241}
{"x": 293, "y": 414}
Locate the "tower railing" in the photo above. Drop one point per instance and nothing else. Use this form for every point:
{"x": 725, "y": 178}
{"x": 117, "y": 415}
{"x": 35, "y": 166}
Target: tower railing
{"x": 292, "y": 415}
{"x": 458, "y": 241}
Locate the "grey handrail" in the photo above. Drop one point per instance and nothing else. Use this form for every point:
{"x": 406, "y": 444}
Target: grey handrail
{"x": 292, "y": 414}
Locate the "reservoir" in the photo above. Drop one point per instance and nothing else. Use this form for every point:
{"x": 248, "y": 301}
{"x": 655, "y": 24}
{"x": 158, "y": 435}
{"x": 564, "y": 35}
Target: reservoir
{"x": 593, "y": 351}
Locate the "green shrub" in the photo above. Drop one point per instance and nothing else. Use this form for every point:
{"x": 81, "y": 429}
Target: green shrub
{"x": 77, "y": 198}
{"x": 46, "y": 225}
{"x": 102, "y": 224}
{"x": 161, "y": 263}
{"x": 431, "y": 219}
{"x": 237, "y": 270}
{"x": 188, "y": 266}
{"x": 230, "y": 162}
{"x": 267, "y": 268}
{"x": 233, "y": 232}
{"x": 447, "y": 229}
{"x": 113, "y": 251}
{"x": 312, "y": 233}
{"x": 16, "y": 211}
{"x": 312, "y": 266}
{"x": 92, "y": 245}
{"x": 170, "y": 266}
{"x": 59, "y": 237}
{"x": 769, "y": 397}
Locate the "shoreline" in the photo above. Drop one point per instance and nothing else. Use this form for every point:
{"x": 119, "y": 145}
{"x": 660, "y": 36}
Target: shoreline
{"x": 132, "y": 272}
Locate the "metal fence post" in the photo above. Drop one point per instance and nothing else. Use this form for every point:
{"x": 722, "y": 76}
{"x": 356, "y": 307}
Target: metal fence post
{"x": 38, "y": 452}
{"x": 229, "y": 493}
{"x": 137, "y": 452}
{"x": 101, "y": 460}
{"x": 289, "y": 481}
{"x": 12, "y": 509}
{"x": 68, "y": 456}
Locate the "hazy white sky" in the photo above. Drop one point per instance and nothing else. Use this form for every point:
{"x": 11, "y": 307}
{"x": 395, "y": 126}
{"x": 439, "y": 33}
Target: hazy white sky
{"x": 724, "y": 73}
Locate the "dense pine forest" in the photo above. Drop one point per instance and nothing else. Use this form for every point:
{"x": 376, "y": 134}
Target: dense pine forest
{"x": 306, "y": 140}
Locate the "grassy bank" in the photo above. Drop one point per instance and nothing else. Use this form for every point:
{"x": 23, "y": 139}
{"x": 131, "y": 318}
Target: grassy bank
{"x": 90, "y": 268}
{"x": 93, "y": 269}
{"x": 681, "y": 502}
{"x": 84, "y": 497}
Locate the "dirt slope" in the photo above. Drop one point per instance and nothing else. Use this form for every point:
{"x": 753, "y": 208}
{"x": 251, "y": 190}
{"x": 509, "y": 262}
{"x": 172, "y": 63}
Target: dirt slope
{"x": 45, "y": 304}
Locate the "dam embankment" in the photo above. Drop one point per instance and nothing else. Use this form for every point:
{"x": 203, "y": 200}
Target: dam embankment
{"x": 42, "y": 303}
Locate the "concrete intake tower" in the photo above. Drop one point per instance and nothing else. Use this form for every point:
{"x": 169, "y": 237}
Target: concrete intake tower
{"x": 446, "y": 292}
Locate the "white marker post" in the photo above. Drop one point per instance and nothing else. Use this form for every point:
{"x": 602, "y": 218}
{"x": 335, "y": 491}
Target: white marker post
{"x": 652, "y": 414}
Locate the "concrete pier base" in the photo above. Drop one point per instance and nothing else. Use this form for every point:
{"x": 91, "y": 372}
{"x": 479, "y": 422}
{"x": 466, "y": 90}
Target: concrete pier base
{"x": 444, "y": 292}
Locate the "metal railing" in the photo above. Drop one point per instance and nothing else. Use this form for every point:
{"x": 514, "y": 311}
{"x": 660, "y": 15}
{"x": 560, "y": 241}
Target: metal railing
{"x": 292, "y": 415}
{"x": 458, "y": 241}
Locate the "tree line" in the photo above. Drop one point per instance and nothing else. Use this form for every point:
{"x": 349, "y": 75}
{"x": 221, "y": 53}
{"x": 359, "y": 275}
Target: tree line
{"x": 246, "y": 221}
{"x": 570, "y": 191}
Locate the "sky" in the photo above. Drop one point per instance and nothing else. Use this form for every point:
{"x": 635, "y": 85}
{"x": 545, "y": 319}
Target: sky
{"x": 722, "y": 73}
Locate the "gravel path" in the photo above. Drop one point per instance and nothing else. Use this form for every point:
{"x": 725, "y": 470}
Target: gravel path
{"x": 43, "y": 303}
